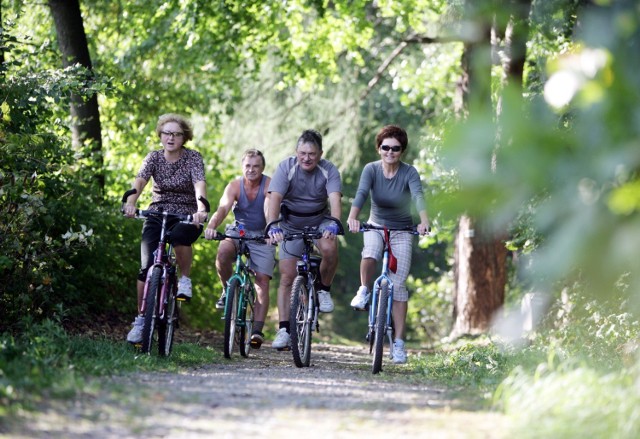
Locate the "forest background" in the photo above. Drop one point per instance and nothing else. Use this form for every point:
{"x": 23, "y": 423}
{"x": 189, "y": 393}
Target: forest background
{"x": 523, "y": 119}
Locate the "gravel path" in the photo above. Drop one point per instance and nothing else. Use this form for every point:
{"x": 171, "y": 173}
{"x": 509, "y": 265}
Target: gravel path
{"x": 337, "y": 397}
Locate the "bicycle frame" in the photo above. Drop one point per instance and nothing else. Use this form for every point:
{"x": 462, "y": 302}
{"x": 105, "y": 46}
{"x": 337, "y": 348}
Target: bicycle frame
{"x": 244, "y": 275}
{"x": 377, "y": 286}
{"x": 163, "y": 258}
{"x": 240, "y": 296}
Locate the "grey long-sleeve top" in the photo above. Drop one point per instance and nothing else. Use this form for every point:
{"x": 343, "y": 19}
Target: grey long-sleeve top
{"x": 390, "y": 197}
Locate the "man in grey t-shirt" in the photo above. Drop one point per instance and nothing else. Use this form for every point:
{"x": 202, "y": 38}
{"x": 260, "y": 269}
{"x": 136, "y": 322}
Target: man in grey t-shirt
{"x": 299, "y": 189}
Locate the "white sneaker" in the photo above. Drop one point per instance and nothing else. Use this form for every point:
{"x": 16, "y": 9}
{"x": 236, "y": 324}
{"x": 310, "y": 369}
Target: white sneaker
{"x": 282, "y": 340}
{"x": 399, "y": 352}
{"x": 184, "y": 288}
{"x": 324, "y": 301}
{"x": 361, "y": 299}
{"x": 135, "y": 335}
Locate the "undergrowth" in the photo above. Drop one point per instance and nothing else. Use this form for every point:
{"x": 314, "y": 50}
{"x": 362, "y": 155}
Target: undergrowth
{"x": 44, "y": 361}
{"x": 576, "y": 377}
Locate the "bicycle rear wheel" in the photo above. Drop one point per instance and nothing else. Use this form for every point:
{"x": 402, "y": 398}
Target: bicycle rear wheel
{"x": 381, "y": 322}
{"x": 155, "y": 282}
{"x": 300, "y": 322}
{"x": 230, "y": 314}
{"x": 247, "y": 317}
{"x": 167, "y": 325}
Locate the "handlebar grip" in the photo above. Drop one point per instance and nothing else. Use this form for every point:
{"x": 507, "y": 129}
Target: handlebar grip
{"x": 207, "y": 206}
{"x": 127, "y": 193}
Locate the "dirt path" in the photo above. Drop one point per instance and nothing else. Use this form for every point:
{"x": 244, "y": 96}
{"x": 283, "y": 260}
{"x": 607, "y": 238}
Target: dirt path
{"x": 337, "y": 397}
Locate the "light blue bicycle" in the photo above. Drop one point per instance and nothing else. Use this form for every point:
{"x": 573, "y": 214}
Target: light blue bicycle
{"x": 380, "y": 318}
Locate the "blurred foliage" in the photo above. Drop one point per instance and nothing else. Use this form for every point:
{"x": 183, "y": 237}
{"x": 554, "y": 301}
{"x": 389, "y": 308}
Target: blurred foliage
{"x": 574, "y": 150}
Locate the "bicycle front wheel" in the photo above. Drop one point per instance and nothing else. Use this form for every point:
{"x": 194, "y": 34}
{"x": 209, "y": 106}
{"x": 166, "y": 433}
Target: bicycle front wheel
{"x": 300, "y": 322}
{"x": 381, "y": 323}
{"x": 247, "y": 317}
{"x": 153, "y": 290}
{"x": 230, "y": 314}
{"x": 167, "y": 325}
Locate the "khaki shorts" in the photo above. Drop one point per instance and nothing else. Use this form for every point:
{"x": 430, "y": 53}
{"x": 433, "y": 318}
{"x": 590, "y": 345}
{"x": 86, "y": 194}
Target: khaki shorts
{"x": 262, "y": 257}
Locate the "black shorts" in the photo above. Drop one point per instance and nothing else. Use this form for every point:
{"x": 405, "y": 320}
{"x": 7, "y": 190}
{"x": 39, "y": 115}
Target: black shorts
{"x": 179, "y": 234}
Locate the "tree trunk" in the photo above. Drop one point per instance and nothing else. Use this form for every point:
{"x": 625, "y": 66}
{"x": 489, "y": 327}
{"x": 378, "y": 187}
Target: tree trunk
{"x": 479, "y": 257}
{"x": 85, "y": 112}
{"x": 480, "y": 277}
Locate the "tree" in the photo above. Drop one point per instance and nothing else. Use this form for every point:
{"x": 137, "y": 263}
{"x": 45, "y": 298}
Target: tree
{"x": 85, "y": 113}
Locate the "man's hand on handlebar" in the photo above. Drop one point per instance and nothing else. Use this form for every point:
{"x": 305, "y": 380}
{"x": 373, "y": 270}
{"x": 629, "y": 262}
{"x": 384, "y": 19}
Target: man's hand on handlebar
{"x": 210, "y": 233}
{"x": 276, "y": 235}
{"x": 330, "y": 231}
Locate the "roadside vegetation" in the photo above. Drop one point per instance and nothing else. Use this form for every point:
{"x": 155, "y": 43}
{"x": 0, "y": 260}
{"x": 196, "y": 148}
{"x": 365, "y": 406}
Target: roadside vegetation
{"x": 44, "y": 361}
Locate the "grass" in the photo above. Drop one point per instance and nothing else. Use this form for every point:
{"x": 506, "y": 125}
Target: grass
{"x": 44, "y": 361}
{"x": 552, "y": 388}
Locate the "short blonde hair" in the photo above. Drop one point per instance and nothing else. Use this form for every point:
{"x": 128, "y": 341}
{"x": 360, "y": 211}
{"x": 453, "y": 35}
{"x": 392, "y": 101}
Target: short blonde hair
{"x": 253, "y": 152}
{"x": 184, "y": 123}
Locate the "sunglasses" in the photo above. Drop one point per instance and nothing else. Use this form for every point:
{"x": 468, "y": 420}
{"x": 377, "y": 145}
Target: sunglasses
{"x": 394, "y": 148}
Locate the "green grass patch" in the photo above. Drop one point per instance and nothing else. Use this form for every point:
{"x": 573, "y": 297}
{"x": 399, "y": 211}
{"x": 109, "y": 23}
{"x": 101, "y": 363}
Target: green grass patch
{"x": 44, "y": 361}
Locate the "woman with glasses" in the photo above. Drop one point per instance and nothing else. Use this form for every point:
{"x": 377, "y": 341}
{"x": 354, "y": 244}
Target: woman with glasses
{"x": 393, "y": 186}
{"x": 178, "y": 182}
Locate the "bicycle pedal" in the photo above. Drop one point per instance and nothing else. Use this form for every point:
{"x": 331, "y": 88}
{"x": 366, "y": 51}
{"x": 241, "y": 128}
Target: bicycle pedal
{"x": 183, "y": 299}
{"x": 288, "y": 348}
{"x": 366, "y": 308}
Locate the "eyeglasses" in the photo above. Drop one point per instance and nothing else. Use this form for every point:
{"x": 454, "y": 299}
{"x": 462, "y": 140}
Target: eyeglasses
{"x": 177, "y": 135}
{"x": 394, "y": 148}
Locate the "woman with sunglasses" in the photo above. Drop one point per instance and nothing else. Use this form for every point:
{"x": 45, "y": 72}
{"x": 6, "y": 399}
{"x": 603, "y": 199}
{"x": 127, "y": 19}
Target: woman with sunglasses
{"x": 393, "y": 186}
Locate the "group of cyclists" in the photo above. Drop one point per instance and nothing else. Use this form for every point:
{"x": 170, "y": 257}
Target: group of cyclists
{"x": 303, "y": 190}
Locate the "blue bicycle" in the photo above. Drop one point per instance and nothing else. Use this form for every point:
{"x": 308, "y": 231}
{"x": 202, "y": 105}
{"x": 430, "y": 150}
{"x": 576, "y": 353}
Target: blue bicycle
{"x": 380, "y": 318}
{"x": 304, "y": 306}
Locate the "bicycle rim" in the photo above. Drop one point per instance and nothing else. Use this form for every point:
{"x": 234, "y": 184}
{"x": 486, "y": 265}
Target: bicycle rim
{"x": 381, "y": 321}
{"x": 167, "y": 326}
{"x": 300, "y": 323}
{"x": 148, "y": 327}
{"x": 247, "y": 316}
{"x": 230, "y": 313}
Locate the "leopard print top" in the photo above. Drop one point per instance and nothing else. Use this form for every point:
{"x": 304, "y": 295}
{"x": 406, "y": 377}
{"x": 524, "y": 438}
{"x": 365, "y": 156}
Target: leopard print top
{"x": 173, "y": 183}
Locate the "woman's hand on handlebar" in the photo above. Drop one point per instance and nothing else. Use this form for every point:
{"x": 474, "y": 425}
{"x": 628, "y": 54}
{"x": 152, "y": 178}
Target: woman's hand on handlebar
{"x": 129, "y": 210}
{"x": 423, "y": 228}
{"x": 354, "y": 225}
{"x": 199, "y": 218}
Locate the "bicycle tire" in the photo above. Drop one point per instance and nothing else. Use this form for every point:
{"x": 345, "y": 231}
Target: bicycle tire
{"x": 381, "y": 322}
{"x": 230, "y": 315}
{"x": 247, "y": 316}
{"x": 155, "y": 282}
{"x": 300, "y": 322}
{"x": 167, "y": 325}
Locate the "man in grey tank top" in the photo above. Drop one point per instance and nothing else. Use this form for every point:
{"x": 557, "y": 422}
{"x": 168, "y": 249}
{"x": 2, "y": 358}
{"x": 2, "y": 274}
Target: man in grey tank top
{"x": 300, "y": 188}
{"x": 247, "y": 197}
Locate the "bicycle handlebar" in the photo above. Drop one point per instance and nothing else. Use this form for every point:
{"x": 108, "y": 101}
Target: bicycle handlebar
{"x": 311, "y": 232}
{"x": 411, "y": 229}
{"x": 146, "y": 213}
{"x": 222, "y": 236}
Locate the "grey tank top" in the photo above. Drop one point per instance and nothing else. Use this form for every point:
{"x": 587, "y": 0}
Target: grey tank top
{"x": 251, "y": 213}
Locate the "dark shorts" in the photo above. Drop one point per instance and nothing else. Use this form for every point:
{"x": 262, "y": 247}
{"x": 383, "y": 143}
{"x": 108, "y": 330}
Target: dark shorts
{"x": 179, "y": 234}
